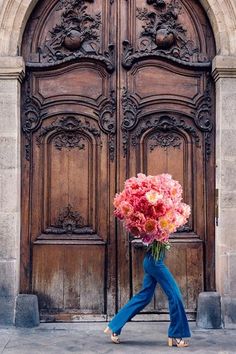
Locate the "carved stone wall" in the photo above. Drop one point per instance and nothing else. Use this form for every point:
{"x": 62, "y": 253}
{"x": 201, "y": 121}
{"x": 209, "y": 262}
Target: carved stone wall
{"x": 13, "y": 17}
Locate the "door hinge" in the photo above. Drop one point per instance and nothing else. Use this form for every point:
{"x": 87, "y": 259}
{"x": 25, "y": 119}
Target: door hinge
{"x": 217, "y": 207}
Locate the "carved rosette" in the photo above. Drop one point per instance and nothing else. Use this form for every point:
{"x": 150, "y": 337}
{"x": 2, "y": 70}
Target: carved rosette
{"x": 75, "y": 36}
{"x": 164, "y": 36}
{"x": 107, "y": 121}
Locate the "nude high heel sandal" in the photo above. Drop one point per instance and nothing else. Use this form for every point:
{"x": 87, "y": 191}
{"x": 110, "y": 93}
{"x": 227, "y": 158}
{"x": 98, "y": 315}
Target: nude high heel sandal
{"x": 114, "y": 337}
{"x": 177, "y": 342}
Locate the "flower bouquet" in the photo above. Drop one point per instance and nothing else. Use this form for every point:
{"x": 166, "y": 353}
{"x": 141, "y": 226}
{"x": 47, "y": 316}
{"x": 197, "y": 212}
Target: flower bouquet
{"x": 151, "y": 209}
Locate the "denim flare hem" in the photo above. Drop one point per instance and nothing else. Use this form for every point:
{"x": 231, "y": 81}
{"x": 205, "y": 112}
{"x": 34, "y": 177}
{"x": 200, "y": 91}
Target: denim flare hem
{"x": 155, "y": 272}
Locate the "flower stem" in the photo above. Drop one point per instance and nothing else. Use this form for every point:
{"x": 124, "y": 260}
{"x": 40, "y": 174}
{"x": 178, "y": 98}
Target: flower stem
{"x": 158, "y": 250}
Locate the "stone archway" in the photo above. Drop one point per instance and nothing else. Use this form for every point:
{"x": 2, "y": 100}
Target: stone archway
{"x": 13, "y": 17}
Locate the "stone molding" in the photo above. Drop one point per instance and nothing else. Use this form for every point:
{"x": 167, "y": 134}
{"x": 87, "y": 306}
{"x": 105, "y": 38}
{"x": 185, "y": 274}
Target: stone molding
{"x": 12, "y": 68}
{"x": 224, "y": 67}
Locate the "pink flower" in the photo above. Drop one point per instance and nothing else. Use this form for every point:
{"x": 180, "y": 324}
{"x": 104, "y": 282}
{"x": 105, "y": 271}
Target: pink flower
{"x": 160, "y": 209}
{"x": 185, "y": 210}
{"x": 126, "y": 208}
{"x": 118, "y": 199}
{"x": 136, "y": 220}
{"x": 148, "y": 238}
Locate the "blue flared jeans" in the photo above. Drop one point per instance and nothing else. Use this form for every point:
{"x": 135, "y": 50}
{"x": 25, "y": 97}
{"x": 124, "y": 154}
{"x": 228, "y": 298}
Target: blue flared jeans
{"x": 155, "y": 272}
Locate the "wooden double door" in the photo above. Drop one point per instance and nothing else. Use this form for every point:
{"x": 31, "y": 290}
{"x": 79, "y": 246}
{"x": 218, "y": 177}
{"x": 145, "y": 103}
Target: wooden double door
{"x": 113, "y": 88}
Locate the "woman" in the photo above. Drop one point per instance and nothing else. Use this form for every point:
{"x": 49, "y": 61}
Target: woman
{"x": 155, "y": 272}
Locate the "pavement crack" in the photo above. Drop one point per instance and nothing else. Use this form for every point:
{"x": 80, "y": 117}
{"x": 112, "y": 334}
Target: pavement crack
{"x": 5, "y": 346}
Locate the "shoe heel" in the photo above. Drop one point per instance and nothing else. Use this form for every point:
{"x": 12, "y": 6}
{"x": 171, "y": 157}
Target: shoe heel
{"x": 115, "y": 339}
{"x": 107, "y": 330}
{"x": 170, "y": 342}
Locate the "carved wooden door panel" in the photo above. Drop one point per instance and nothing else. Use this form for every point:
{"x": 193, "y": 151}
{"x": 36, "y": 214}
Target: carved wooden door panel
{"x": 168, "y": 126}
{"x": 69, "y": 127}
{"x": 113, "y": 88}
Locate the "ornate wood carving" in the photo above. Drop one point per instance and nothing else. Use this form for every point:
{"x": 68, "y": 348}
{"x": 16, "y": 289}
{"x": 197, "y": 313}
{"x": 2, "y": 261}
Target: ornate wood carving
{"x": 77, "y": 36}
{"x": 69, "y": 126}
{"x": 68, "y": 222}
{"x": 203, "y": 117}
{"x": 69, "y": 140}
{"x": 108, "y": 122}
{"x": 130, "y": 110}
{"x": 164, "y": 123}
{"x": 130, "y": 116}
{"x": 208, "y": 147}
{"x": 165, "y": 140}
{"x": 163, "y": 35}
{"x": 32, "y": 119}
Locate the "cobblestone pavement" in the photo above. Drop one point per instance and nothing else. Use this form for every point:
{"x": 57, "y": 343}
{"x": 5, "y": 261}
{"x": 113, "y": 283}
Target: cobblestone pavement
{"x": 137, "y": 338}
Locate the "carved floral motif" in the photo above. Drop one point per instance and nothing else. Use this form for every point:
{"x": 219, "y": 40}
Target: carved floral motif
{"x": 163, "y": 36}
{"x": 107, "y": 120}
{"x": 130, "y": 116}
{"x": 71, "y": 127}
{"x": 77, "y": 35}
{"x": 164, "y": 123}
{"x": 164, "y": 140}
{"x": 68, "y": 222}
{"x": 32, "y": 118}
{"x": 204, "y": 117}
{"x": 69, "y": 141}
{"x": 130, "y": 109}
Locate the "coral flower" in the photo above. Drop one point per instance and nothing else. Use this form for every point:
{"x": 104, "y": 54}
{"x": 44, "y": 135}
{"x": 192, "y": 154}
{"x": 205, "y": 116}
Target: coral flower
{"x": 117, "y": 200}
{"x": 150, "y": 226}
{"x": 167, "y": 225}
{"x": 126, "y": 209}
{"x": 164, "y": 223}
{"x": 153, "y": 196}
